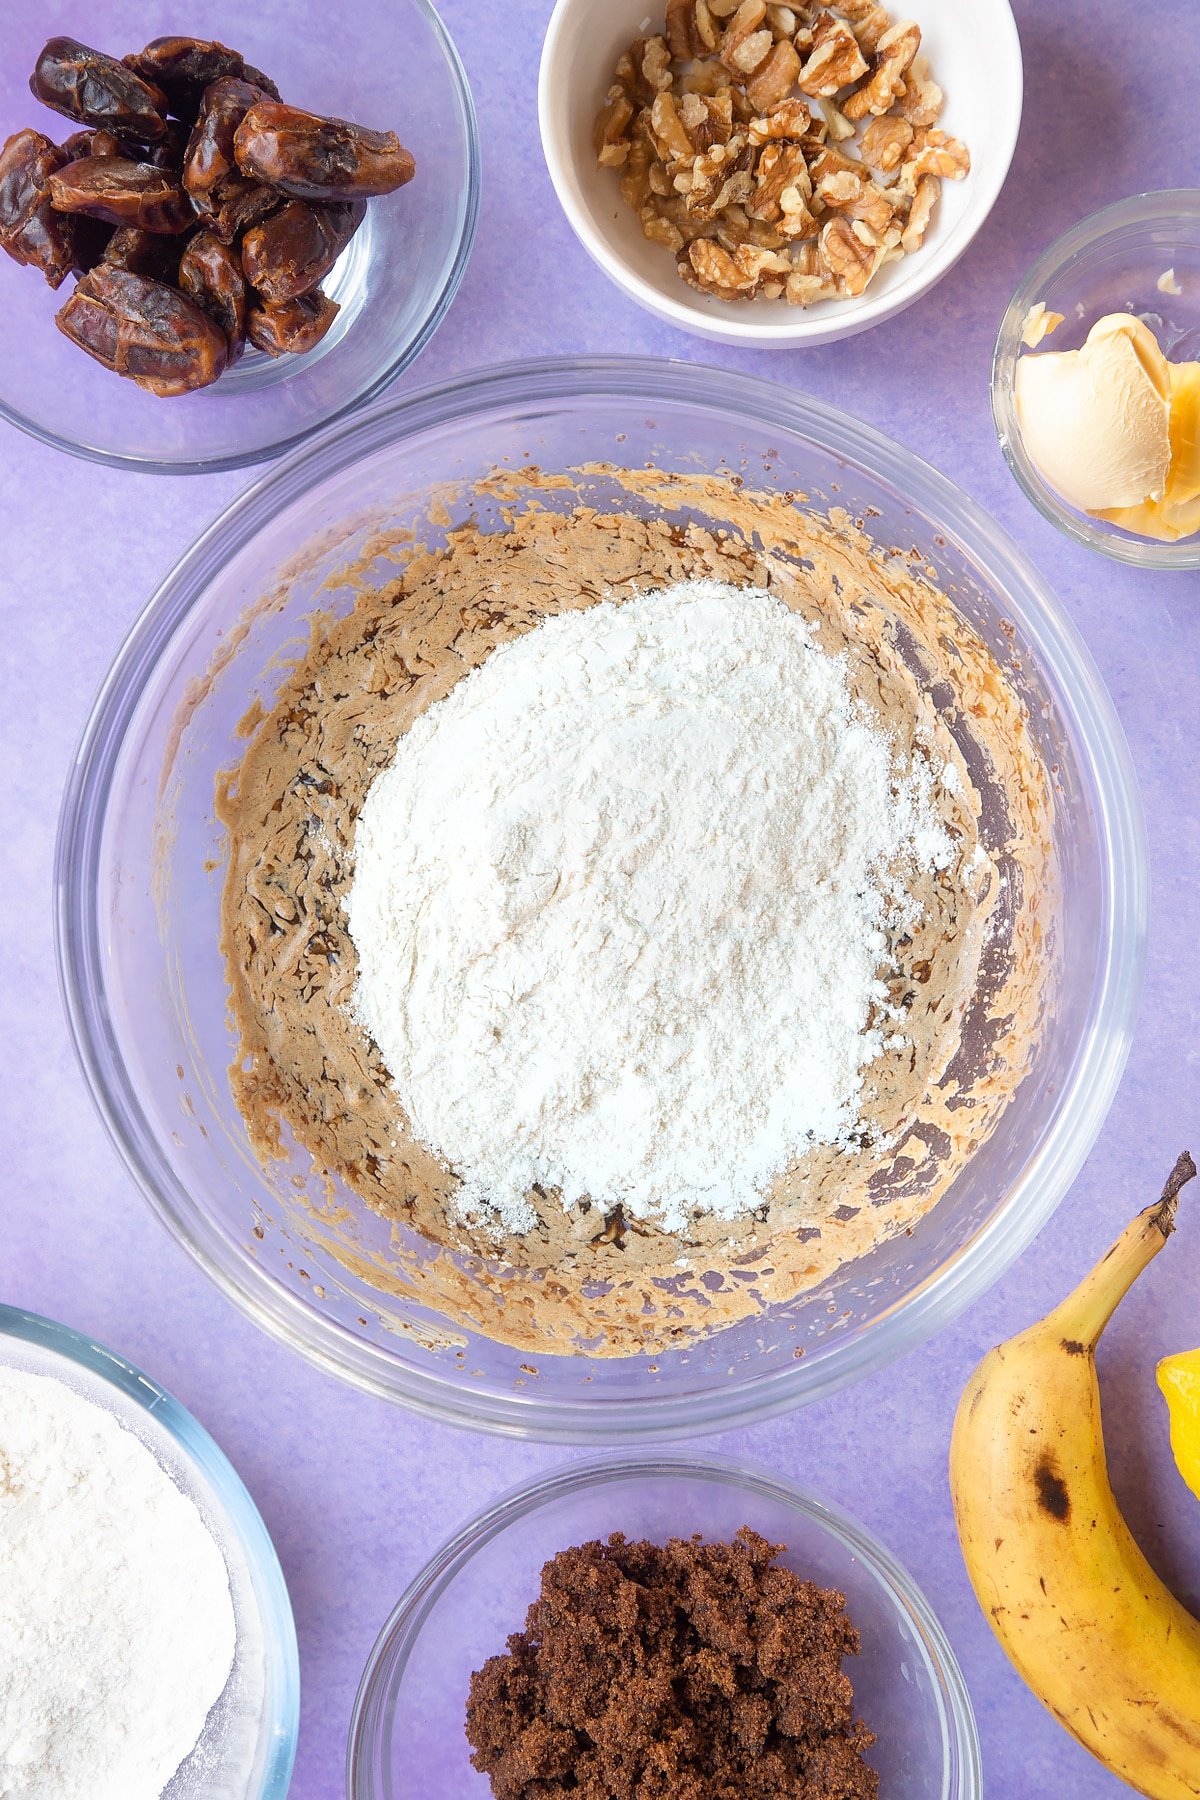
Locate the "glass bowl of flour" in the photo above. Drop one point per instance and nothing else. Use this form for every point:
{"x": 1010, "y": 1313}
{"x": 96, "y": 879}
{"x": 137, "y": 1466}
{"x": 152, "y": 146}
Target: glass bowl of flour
{"x": 603, "y": 900}
{"x": 129, "y": 1538}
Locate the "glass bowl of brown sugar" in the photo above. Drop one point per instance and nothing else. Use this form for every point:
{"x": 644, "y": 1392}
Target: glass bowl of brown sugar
{"x": 408, "y": 1739}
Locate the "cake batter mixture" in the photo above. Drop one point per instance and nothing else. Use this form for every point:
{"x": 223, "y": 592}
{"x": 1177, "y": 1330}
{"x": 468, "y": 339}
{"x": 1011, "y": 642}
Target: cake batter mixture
{"x": 959, "y": 971}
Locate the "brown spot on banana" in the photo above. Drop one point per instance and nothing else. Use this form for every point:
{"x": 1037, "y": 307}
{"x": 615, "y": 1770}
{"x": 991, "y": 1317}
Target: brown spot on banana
{"x": 1073, "y": 1347}
{"x": 1052, "y": 1492}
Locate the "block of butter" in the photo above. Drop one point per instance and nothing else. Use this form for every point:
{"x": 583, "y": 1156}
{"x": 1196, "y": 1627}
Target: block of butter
{"x": 1115, "y": 428}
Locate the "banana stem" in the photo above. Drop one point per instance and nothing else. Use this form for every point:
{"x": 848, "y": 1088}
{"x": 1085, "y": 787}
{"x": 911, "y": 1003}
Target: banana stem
{"x": 1082, "y": 1316}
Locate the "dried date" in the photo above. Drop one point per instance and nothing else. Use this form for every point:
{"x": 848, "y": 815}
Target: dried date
{"x": 31, "y": 231}
{"x": 92, "y": 238}
{"x": 124, "y": 193}
{"x": 170, "y": 151}
{"x": 144, "y": 330}
{"x": 92, "y": 143}
{"x": 311, "y": 158}
{"x": 210, "y": 273}
{"x": 209, "y": 159}
{"x": 236, "y": 205}
{"x": 292, "y": 328}
{"x": 183, "y": 67}
{"x": 97, "y": 90}
{"x": 147, "y": 253}
{"x": 259, "y": 80}
{"x": 297, "y": 246}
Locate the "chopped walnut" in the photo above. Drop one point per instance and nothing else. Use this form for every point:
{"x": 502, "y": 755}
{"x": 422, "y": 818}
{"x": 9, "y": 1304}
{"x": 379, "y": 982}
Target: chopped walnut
{"x": 635, "y": 178}
{"x": 809, "y": 280}
{"x": 737, "y": 273}
{"x": 645, "y": 69}
{"x": 783, "y": 189}
{"x": 848, "y": 252}
{"x": 779, "y": 150}
{"x": 747, "y": 42}
{"x": 790, "y": 119}
{"x": 870, "y": 21}
{"x": 691, "y": 28}
{"x": 919, "y": 213}
{"x": 610, "y": 134}
{"x": 783, "y": 21}
{"x": 897, "y": 47}
{"x": 933, "y": 153}
{"x": 721, "y": 177}
{"x": 736, "y": 226}
{"x": 709, "y": 78}
{"x": 707, "y": 119}
{"x": 824, "y": 161}
{"x": 885, "y": 142}
{"x": 834, "y": 61}
{"x": 921, "y": 101}
{"x": 837, "y": 124}
{"x": 667, "y": 129}
{"x": 775, "y": 79}
{"x": 856, "y": 195}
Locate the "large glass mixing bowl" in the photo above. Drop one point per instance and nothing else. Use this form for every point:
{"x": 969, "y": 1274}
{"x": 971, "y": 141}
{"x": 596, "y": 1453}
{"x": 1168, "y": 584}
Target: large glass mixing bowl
{"x": 139, "y": 876}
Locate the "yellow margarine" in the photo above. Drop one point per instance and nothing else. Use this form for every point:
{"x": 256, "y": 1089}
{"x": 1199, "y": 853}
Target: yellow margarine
{"x": 1115, "y": 428}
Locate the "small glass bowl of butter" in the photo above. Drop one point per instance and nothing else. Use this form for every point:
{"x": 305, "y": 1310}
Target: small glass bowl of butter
{"x": 1096, "y": 381}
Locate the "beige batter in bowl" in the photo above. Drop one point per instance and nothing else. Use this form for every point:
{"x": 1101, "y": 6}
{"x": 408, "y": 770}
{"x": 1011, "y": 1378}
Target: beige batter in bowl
{"x": 967, "y": 978}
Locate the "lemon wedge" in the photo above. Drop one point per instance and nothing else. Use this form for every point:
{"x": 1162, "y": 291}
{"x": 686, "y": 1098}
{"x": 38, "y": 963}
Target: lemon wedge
{"x": 1179, "y": 1379}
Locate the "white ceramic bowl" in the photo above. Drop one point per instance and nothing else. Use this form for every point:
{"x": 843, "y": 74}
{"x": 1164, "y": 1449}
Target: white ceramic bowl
{"x": 975, "y": 55}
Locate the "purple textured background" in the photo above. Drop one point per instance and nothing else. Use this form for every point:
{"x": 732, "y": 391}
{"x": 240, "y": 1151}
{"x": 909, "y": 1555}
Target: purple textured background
{"x": 356, "y": 1494}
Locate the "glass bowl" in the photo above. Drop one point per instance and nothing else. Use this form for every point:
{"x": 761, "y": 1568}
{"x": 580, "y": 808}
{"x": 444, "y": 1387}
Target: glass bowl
{"x": 389, "y": 67}
{"x": 139, "y": 877}
{"x": 407, "y": 1738}
{"x": 1109, "y": 262}
{"x": 248, "y": 1744}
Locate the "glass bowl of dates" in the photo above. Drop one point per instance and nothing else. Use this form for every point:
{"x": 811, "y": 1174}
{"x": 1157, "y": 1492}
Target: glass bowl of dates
{"x": 436, "y": 1683}
{"x": 212, "y": 246}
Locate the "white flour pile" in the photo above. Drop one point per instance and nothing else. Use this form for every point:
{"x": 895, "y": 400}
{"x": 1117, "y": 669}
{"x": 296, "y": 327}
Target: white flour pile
{"x": 619, "y": 906}
{"x": 116, "y": 1624}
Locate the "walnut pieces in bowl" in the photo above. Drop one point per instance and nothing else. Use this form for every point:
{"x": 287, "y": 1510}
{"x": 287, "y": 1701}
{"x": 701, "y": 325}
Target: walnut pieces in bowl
{"x": 785, "y": 160}
{"x": 736, "y": 134}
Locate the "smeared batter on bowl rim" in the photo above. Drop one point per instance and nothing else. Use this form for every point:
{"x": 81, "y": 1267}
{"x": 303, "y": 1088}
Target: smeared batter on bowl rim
{"x": 970, "y": 976}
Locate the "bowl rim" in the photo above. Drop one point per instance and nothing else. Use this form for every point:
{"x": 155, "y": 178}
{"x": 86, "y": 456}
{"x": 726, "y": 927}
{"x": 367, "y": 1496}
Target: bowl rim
{"x": 806, "y": 329}
{"x": 962, "y": 1772}
{"x": 216, "y": 1471}
{"x": 401, "y": 360}
{"x": 975, "y": 1266}
{"x": 1165, "y": 205}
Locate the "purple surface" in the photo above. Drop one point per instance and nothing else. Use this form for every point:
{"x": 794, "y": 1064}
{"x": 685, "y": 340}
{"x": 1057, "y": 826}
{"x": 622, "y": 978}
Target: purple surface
{"x": 356, "y": 1494}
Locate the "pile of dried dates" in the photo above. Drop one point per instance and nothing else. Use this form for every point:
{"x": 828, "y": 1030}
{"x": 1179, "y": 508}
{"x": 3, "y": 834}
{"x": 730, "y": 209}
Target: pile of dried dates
{"x": 197, "y": 210}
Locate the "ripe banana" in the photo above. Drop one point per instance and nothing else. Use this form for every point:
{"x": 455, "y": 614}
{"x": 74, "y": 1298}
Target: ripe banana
{"x": 1078, "y": 1609}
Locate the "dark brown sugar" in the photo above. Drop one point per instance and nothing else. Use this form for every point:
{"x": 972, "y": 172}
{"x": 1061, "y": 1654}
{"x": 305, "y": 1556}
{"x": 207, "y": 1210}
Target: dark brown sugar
{"x": 687, "y": 1672}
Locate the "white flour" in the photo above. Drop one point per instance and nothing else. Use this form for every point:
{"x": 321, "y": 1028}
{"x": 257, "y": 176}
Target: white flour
{"x": 116, "y": 1625}
{"x": 619, "y": 906}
